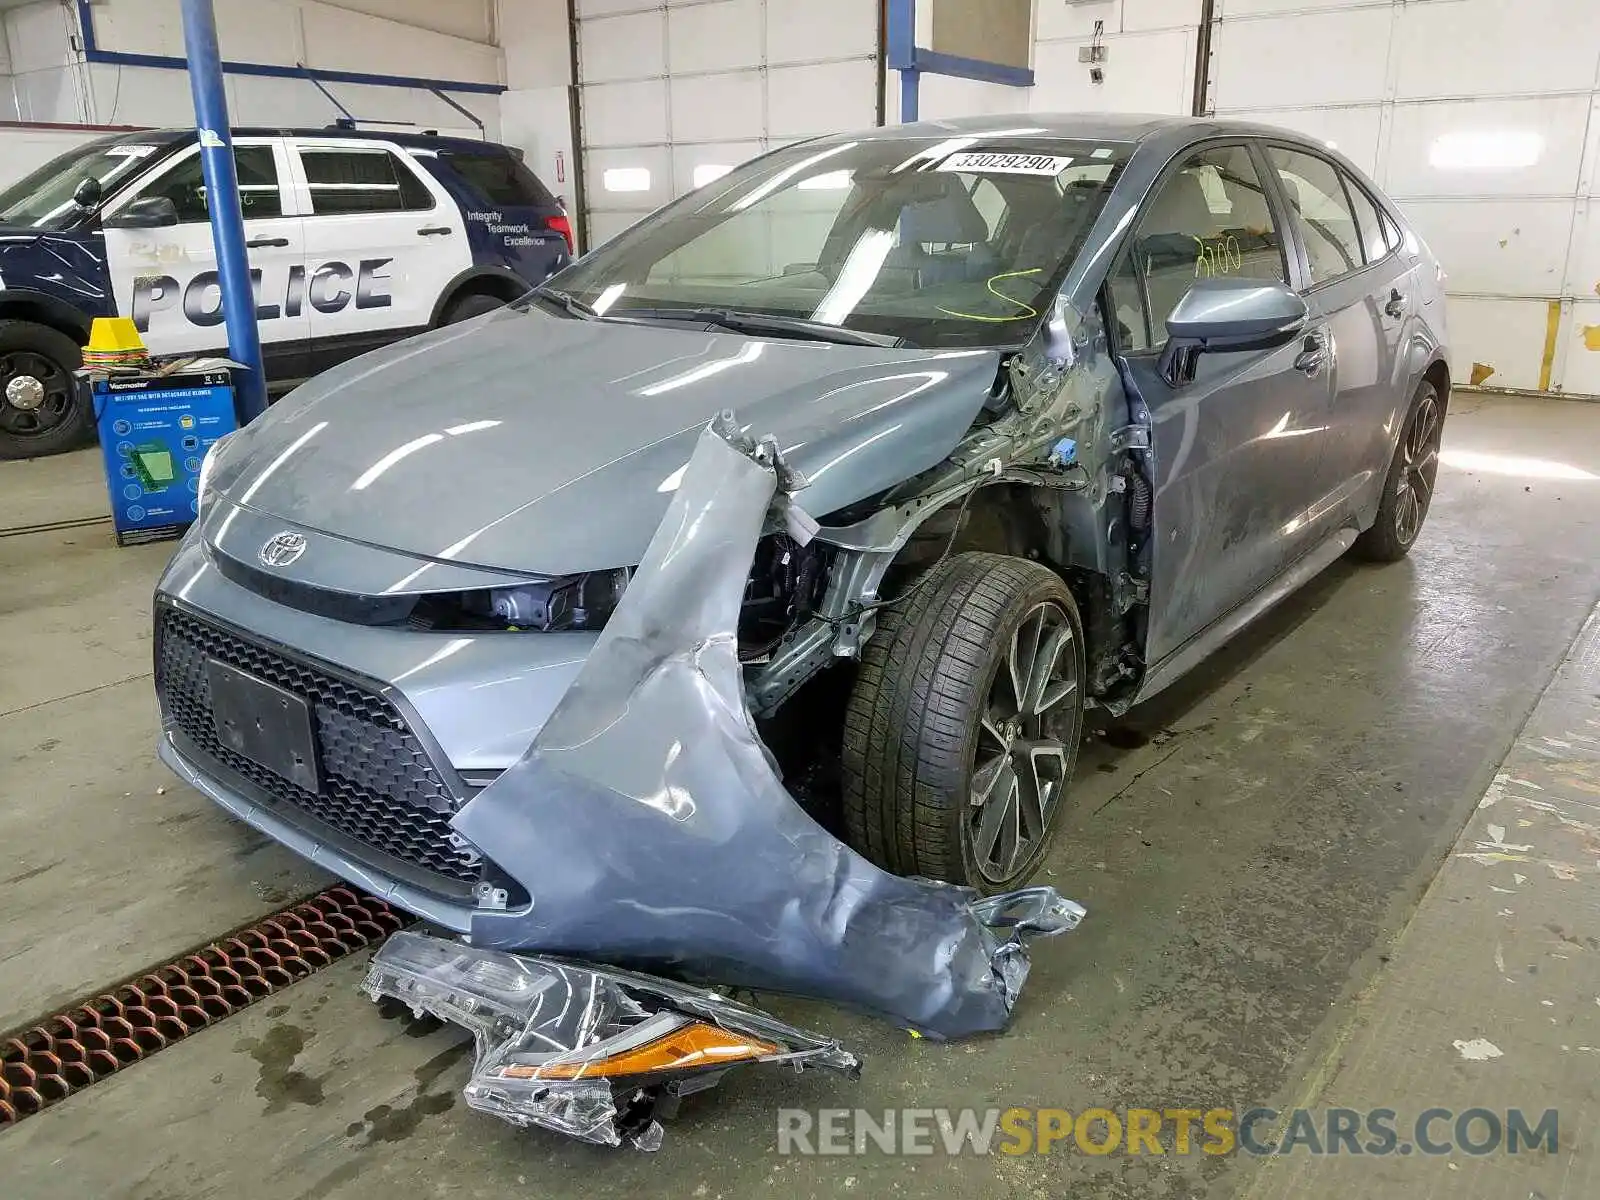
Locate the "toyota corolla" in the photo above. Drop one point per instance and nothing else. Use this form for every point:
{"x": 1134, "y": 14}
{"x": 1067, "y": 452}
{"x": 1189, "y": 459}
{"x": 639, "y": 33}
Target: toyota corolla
{"x": 1065, "y": 401}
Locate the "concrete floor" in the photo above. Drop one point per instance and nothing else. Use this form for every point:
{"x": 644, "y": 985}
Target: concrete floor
{"x": 1252, "y": 849}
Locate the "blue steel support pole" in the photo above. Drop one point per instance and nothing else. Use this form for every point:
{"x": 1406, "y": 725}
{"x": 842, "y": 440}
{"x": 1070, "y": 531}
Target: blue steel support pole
{"x": 222, "y": 198}
{"x": 902, "y": 53}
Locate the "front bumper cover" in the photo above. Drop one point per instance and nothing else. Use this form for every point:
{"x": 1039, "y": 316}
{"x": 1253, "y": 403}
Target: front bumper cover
{"x": 650, "y": 826}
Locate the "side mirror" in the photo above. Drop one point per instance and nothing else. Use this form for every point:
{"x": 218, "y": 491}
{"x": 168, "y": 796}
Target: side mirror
{"x": 88, "y": 193}
{"x": 1221, "y": 315}
{"x": 148, "y": 212}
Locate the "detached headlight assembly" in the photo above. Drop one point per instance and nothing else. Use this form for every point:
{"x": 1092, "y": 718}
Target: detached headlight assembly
{"x": 590, "y": 1052}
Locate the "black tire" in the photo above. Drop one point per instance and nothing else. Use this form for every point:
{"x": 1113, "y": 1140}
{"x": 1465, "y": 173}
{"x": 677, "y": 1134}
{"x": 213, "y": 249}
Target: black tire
{"x": 1408, "y": 486}
{"x": 928, "y": 707}
{"x": 41, "y": 411}
{"x": 474, "y": 304}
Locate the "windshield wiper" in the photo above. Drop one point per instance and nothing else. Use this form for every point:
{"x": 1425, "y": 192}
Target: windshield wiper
{"x": 565, "y": 301}
{"x": 757, "y": 322}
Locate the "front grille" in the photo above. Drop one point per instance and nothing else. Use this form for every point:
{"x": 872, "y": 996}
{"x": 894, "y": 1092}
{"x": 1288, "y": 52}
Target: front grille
{"x": 379, "y": 785}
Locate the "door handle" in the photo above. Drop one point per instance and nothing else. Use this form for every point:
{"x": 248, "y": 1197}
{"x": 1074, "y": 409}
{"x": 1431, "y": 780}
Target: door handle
{"x": 1313, "y": 356}
{"x": 434, "y": 231}
{"x": 258, "y": 243}
{"x": 1396, "y": 307}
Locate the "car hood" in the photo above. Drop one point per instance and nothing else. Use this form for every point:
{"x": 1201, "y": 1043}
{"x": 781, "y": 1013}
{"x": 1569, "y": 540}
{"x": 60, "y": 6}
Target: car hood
{"x": 531, "y": 442}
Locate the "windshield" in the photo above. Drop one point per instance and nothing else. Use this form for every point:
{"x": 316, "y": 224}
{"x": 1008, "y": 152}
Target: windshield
{"x": 43, "y": 198}
{"x": 953, "y": 243}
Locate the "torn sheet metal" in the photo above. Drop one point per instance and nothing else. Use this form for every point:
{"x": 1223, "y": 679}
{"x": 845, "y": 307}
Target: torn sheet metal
{"x": 591, "y": 1053}
{"x": 650, "y": 826}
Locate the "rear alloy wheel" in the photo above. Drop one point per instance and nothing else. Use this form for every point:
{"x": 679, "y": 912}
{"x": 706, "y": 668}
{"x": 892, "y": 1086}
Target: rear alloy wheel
{"x": 1408, "y": 490}
{"x": 41, "y": 411}
{"x": 963, "y": 728}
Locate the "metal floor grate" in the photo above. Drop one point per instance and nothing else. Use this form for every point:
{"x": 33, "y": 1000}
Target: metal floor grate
{"x": 63, "y": 1054}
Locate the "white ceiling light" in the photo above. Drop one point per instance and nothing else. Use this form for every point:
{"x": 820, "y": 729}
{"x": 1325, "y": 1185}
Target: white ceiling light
{"x": 627, "y": 179}
{"x": 1491, "y": 150}
{"x": 709, "y": 172}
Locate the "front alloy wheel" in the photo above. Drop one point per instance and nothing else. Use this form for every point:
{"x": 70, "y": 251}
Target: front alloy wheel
{"x": 1020, "y": 768}
{"x": 963, "y": 726}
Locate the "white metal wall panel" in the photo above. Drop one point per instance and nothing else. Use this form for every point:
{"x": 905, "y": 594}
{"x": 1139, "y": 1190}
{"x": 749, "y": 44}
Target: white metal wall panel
{"x": 722, "y": 36}
{"x": 606, "y": 8}
{"x": 1505, "y": 247}
{"x": 1482, "y": 119}
{"x": 21, "y": 150}
{"x": 1144, "y": 72}
{"x": 1504, "y": 337}
{"x": 819, "y": 31}
{"x": 1354, "y": 132}
{"x": 680, "y": 88}
{"x": 708, "y": 160}
{"x": 1452, "y": 48}
{"x": 1055, "y": 21}
{"x": 1583, "y": 349}
{"x": 716, "y": 108}
{"x": 826, "y": 98}
{"x": 1301, "y": 59}
{"x": 1488, "y": 148}
{"x": 620, "y": 114}
{"x": 941, "y": 96}
{"x": 1256, "y": 8}
{"x": 630, "y": 47}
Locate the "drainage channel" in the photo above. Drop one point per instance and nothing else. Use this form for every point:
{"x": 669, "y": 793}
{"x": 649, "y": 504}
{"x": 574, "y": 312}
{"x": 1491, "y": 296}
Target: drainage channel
{"x": 65, "y": 1053}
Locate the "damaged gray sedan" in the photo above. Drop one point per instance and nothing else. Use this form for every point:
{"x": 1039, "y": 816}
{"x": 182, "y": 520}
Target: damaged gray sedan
{"x": 1051, "y": 407}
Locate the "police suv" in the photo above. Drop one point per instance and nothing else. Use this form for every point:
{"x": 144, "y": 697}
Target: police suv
{"x": 356, "y": 239}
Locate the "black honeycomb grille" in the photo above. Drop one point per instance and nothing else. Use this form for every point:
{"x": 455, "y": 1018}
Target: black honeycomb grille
{"x": 378, "y": 785}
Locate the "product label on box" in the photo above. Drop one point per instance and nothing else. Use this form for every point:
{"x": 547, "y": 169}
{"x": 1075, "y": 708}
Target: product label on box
{"x": 154, "y": 434}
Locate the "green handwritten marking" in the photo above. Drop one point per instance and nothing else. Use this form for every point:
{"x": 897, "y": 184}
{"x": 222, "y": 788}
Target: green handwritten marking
{"x": 1028, "y": 309}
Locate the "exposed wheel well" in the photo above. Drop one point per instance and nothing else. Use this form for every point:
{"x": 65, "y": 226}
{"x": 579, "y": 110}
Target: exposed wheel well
{"x": 23, "y": 308}
{"x": 1006, "y": 518}
{"x": 498, "y": 286}
{"x": 1439, "y": 375}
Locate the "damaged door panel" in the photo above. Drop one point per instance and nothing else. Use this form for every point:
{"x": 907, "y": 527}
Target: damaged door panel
{"x": 652, "y": 832}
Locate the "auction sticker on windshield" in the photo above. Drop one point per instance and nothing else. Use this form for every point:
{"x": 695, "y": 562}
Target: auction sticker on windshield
{"x": 1007, "y": 164}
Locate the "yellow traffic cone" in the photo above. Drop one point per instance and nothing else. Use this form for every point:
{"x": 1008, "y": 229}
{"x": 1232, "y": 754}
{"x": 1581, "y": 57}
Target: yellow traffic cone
{"x": 114, "y": 342}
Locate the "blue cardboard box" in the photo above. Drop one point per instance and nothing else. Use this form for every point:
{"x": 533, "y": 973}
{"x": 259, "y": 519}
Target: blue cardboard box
{"x": 154, "y": 433}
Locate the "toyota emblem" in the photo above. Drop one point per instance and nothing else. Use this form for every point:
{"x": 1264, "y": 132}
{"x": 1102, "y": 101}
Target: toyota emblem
{"x": 283, "y": 548}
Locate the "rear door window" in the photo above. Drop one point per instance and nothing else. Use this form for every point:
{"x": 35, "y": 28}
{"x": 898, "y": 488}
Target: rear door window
{"x": 1368, "y": 221}
{"x": 348, "y": 179}
{"x": 499, "y": 179}
{"x": 1322, "y": 213}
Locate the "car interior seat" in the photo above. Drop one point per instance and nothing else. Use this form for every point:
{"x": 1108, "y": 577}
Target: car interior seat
{"x": 1169, "y": 244}
{"x": 942, "y": 238}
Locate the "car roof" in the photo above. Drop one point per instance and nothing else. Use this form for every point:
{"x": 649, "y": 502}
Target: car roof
{"x": 1133, "y": 128}
{"x": 421, "y": 140}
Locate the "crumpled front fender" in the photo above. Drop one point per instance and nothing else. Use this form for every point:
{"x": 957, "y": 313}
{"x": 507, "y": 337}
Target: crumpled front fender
{"x": 649, "y": 825}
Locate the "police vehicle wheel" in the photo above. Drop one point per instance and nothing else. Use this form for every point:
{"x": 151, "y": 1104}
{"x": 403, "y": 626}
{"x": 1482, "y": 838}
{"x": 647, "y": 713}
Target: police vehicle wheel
{"x": 963, "y": 727}
{"x": 471, "y": 306}
{"x": 40, "y": 409}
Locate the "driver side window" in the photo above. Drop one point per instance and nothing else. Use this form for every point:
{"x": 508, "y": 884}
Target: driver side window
{"x": 1210, "y": 218}
{"x": 185, "y": 185}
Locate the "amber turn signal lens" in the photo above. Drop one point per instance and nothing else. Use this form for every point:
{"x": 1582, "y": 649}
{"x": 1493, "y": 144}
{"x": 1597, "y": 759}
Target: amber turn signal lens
{"x": 689, "y": 1046}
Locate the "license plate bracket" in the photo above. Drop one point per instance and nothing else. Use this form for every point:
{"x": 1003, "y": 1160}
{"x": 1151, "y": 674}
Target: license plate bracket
{"x": 265, "y": 723}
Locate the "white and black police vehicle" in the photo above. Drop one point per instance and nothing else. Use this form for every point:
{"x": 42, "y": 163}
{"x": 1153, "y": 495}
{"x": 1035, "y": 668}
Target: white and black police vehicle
{"x": 356, "y": 239}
